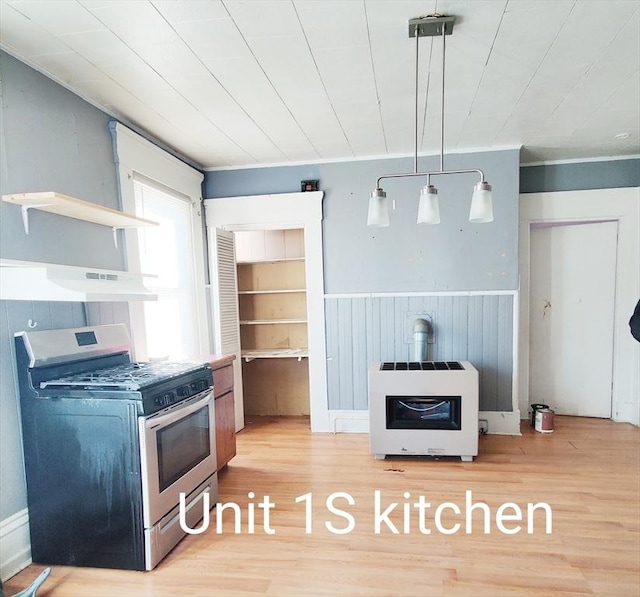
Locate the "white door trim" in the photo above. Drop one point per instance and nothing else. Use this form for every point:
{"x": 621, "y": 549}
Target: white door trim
{"x": 622, "y": 205}
{"x": 278, "y": 212}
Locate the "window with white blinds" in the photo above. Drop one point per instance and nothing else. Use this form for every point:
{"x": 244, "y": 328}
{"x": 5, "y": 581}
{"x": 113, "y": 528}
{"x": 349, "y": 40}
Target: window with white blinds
{"x": 171, "y": 323}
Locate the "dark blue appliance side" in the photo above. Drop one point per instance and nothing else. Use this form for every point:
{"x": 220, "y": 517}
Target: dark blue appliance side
{"x": 84, "y": 488}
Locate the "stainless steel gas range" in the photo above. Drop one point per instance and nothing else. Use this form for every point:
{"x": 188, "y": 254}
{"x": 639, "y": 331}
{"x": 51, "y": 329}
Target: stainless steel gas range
{"x": 109, "y": 446}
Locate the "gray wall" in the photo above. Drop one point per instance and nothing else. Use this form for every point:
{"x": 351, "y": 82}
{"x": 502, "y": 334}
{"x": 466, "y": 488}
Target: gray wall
{"x": 580, "y": 176}
{"x": 404, "y": 257}
{"x": 50, "y": 139}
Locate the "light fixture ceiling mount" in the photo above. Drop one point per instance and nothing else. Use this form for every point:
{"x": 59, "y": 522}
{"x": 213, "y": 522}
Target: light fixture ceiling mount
{"x": 431, "y": 25}
{"x": 428, "y": 210}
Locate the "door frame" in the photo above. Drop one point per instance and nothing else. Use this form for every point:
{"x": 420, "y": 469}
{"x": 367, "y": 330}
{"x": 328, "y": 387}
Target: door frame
{"x": 604, "y": 405}
{"x": 623, "y": 206}
{"x": 279, "y": 212}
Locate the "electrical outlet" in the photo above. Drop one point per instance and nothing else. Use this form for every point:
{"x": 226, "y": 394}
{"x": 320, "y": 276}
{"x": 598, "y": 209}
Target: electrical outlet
{"x": 483, "y": 426}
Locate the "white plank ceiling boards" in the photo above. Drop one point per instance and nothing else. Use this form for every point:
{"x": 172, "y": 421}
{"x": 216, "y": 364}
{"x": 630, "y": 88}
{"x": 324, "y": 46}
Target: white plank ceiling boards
{"x": 230, "y": 83}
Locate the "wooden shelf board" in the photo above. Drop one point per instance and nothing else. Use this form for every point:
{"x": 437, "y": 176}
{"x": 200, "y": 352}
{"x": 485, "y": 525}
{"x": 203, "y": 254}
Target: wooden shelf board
{"x": 280, "y": 291}
{"x": 260, "y": 261}
{"x": 63, "y": 205}
{"x": 270, "y": 321}
{"x": 275, "y": 353}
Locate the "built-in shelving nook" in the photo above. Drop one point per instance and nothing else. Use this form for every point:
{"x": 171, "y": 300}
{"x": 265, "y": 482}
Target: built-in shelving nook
{"x": 273, "y": 321}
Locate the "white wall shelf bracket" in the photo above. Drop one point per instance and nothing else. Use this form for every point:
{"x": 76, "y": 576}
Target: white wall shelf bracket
{"x": 25, "y": 213}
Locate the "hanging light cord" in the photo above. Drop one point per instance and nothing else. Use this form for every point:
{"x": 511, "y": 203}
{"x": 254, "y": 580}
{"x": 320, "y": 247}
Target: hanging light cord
{"x": 415, "y": 146}
{"x": 442, "y": 108}
{"x": 428, "y": 210}
{"x": 415, "y": 153}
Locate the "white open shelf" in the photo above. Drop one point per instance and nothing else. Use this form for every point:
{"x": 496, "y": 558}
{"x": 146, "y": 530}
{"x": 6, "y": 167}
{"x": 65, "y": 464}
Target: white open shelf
{"x": 261, "y": 261}
{"x": 270, "y": 321}
{"x": 280, "y": 291}
{"x": 63, "y": 205}
{"x": 275, "y": 353}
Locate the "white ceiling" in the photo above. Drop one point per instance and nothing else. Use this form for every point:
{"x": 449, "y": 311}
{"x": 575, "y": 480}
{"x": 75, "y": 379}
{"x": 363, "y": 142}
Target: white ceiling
{"x": 235, "y": 83}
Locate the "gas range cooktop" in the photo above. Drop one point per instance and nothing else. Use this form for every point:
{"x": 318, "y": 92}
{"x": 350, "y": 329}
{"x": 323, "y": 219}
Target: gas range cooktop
{"x": 94, "y": 364}
{"x": 126, "y": 377}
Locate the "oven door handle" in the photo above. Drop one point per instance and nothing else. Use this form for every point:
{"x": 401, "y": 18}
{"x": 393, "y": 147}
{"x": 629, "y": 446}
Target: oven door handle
{"x": 163, "y": 420}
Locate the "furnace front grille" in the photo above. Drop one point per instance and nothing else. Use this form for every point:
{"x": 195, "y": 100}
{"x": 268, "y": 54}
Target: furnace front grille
{"x": 422, "y": 366}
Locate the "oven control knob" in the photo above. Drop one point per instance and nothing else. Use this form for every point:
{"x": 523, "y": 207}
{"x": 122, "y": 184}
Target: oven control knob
{"x": 198, "y": 386}
{"x": 166, "y": 399}
{"x": 183, "y": 391}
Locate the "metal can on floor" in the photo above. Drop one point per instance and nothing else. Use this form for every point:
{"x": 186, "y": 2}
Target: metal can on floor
{"x": 534, "y": 409}
{"x": 544, "y": 420}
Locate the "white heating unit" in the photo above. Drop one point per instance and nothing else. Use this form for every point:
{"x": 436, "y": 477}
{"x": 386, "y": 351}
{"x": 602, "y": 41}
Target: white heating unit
{"x": 423, "y": 408}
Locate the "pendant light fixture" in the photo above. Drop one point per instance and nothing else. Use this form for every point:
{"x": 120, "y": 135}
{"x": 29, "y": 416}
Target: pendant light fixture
{"x": 428, "y": 209}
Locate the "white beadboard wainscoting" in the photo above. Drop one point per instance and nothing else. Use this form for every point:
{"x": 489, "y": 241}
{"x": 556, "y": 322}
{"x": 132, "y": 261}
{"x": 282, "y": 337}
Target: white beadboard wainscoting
{"x": 479, "y": 327}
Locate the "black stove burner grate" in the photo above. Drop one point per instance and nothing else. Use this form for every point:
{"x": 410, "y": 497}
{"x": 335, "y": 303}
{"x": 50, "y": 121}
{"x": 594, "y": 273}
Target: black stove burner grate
{"x": 126, "y": 377}
{"x": 422, "y": 366}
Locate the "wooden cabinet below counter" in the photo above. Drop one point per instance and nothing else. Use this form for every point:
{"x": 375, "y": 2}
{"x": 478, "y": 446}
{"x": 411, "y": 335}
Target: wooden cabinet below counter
{"x": 225, "y": 429}
{"x": 224, "y": 408}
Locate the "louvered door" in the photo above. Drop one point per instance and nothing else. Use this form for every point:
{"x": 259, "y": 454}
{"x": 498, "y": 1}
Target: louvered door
{"x": 224, "y": 293}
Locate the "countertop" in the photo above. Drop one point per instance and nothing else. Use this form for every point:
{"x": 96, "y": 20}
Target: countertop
{"x": 217, "y": 361}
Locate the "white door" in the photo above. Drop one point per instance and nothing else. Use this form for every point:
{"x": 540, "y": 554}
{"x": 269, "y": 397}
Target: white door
{"x": 571, "y": 317}
{"x": 224, "y": 298}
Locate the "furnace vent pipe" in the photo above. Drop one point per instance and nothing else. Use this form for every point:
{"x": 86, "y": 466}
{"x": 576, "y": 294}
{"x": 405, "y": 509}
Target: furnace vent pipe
{"x": 421, "y": 332}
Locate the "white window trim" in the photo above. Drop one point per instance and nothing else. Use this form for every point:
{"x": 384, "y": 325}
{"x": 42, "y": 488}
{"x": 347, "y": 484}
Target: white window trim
{"x": 136, "y": 155}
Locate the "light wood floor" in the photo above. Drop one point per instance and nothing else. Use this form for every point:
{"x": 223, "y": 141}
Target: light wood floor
{"x": 587, "y": 471}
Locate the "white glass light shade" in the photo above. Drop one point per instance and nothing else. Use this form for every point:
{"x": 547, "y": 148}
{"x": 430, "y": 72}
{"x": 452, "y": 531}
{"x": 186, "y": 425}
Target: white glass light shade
{"x": 428, "y": 208}
{"x": 378, "y": 215}
{"x": 481, "y": 210}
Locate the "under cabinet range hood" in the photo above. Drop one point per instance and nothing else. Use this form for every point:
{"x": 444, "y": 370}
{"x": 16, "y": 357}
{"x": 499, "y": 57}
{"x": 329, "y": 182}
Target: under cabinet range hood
{"x": 32, "y": 281}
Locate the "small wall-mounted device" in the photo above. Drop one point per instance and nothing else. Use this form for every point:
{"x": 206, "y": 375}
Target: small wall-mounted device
{"x": 309, "y": 185}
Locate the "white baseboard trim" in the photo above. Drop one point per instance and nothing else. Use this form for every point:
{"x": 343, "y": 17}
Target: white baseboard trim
{"x": 348, "y": 421}
{"x": 357, "y": 421}
{"x": 501, "y": 422}
{"x": 15, "y": 544}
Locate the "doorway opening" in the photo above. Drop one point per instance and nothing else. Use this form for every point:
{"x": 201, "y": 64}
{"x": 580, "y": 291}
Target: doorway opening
{"x": 571, "y": 316}
{"x": 272, "y": 305}
{"x": 302, "y": 212}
